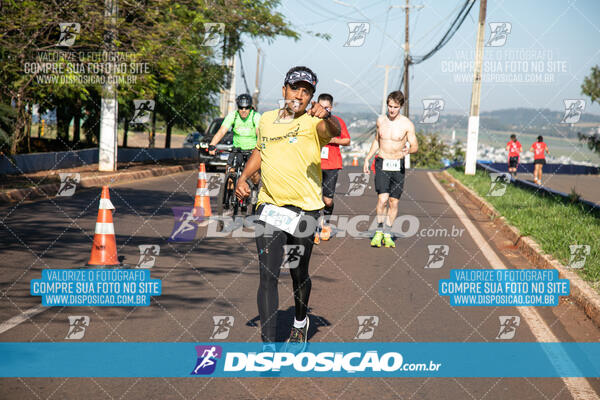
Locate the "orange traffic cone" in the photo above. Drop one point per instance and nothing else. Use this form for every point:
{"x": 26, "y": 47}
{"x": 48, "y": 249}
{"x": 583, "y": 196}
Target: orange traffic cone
{"x": 355, "y": 162}
{"x": 202, "y": 199}
{"x": 104, "y": 248}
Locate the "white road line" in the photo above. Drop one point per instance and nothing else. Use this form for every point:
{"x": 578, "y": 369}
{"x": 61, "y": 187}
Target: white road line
{"x": 578, "y": 387}
{"x": 18, "y": 319}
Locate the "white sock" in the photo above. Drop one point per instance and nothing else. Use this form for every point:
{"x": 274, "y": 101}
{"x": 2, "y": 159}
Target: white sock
{"x": 300, "y": 324}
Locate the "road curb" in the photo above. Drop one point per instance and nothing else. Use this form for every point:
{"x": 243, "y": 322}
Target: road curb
{"x": 581, "y": 292}
{"x": 49, "y": 190}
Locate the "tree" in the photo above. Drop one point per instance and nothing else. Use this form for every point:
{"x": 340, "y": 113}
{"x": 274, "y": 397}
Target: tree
{"x": 183, "y": 76}
{"x": 591, "y": 88}
{"x": 431, "y": 151}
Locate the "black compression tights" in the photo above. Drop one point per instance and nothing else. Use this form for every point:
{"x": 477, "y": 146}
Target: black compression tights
{"x": 270, "y": 256}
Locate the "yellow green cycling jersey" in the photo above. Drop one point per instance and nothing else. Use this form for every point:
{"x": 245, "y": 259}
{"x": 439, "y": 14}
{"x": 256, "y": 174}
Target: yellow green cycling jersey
{"x": 244, "y": 130}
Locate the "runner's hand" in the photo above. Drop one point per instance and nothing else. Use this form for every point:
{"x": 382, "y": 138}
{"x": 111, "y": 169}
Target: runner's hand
{"x": 317, "y": 110}
{"x": 212, "y": 152}
{"x": 242, "y": 189}
{"x": 366, "y": 167}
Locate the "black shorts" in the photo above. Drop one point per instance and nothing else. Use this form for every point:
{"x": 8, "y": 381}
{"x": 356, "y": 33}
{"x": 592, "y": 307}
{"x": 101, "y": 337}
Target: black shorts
{"x": 242, "y": 156}
{"x": 540, "y": 161}
{"x": 513, "y": 162}
{"x": 391, "y": 182}
{"x": 329, "y": 182}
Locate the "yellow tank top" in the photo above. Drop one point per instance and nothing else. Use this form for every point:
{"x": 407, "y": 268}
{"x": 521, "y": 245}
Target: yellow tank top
{"x": 290, "y": 161}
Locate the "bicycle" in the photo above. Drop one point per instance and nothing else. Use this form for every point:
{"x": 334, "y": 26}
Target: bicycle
{"x": 229, "y": 205}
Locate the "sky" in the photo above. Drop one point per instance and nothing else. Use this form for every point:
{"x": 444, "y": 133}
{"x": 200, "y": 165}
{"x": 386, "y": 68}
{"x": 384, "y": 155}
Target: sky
{"x": 550, "y": 47}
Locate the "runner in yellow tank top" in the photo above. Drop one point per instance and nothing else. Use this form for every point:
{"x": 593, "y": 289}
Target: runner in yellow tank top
{"x": 288, "y": 154}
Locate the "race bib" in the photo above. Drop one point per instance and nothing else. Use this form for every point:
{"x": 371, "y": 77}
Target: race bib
{"x": 280, "y": 217}
{"x": 392, "y": 165}
{"x": 325, "y": 153}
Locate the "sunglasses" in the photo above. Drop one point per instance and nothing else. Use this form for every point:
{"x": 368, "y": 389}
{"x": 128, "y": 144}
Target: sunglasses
{"x": 244, "y": 108}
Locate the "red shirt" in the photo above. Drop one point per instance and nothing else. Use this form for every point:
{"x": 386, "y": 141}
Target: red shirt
{"x": 331, "y": 152}
{"x": 514, "y": 148}
{"x": 538, "y": 150}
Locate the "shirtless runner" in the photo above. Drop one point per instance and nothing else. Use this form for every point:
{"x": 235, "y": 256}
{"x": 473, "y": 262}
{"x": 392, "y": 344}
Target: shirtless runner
{"x": 393, "y": 132}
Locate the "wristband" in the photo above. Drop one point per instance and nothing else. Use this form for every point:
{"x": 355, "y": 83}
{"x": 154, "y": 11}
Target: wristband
{"x": 328, "y": 113}
{"x": 212, "y": 147}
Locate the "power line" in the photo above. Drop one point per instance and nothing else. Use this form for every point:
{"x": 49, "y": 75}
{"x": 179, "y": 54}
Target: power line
{"x": 454, "y": 26}
{"x": 243, "y": 73}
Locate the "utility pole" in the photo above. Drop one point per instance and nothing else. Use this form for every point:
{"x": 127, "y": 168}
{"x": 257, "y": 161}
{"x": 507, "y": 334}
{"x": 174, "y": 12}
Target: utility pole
{"x": 406, "y": 60}
{"x": 473, "y": 128}
{"x": 407, "y": 63}
{"x": 107, "y": 148}
{"x": 256, "y": 80}
{"x": 228, "y": 95}
{"x": 385, "y": 85}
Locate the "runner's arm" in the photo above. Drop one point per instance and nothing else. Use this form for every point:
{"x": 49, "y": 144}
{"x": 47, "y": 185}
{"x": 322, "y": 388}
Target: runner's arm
{"x": 329, "y": 128}
{"x": 412, "y": 139}
{"x": 344, "y": 138}
{"x": 326, "y": 128}
{"x": 373, "y": 150}
{"x": 340, "y": 141}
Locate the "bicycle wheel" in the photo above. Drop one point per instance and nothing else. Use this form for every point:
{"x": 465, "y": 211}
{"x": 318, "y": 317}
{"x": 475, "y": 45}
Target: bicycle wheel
{"x": 224, "y": 203}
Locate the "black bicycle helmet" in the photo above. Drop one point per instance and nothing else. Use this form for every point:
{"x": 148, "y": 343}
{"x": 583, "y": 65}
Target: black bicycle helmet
{"x": 244, "y": 100}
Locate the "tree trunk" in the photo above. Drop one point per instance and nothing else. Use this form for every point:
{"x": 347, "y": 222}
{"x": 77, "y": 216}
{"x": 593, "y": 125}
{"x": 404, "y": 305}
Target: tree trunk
{"x": 168, "y": 135}
{"x": 77, "y": 124}
{"x": 28, "y": 128}
{"x": 153, "y": 131}
{"x": 17, "y": 134}
{"x": 125, "y": 131}
{"x": 63, "y": 120}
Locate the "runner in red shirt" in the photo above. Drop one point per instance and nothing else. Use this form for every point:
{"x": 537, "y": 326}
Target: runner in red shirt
{"x": 514, "y": 150}
{"x": 540, "y": 149}
{"x": 331, "y": 163}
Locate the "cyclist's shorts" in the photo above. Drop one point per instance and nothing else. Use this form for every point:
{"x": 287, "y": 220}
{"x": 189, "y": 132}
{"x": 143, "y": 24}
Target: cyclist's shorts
{"x": 242, "y": 157}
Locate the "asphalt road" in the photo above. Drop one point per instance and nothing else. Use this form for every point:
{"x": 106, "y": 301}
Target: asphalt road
{"x": 587, "y": 186}
{"x": 218, "y": 276}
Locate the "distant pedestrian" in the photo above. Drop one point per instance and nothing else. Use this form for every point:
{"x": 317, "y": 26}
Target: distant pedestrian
{"x": 540, "y": 149}
{"x": 514, "y": 151}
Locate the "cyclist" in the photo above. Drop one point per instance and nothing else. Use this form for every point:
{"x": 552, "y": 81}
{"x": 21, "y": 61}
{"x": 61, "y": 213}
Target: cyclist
{"x": 288, "y": 154}
{"x": 245, "y": 125}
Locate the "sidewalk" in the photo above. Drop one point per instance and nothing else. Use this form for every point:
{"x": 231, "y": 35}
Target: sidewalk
{"x": 587, "y": 186}
{"x": 45, "y": 184}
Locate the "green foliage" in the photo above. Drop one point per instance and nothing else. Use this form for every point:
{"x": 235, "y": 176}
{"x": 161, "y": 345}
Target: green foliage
{"x": 591, "y": 85}
{"x": 431, "y": 151}
{"x": 184, "y": 76}
{"x": 7, "y": 120}
{"x": 553, "y": 221}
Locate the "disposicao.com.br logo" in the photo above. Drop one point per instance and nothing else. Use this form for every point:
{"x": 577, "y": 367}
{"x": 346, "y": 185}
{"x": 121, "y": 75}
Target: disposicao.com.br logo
{"x": 313, "y": 363}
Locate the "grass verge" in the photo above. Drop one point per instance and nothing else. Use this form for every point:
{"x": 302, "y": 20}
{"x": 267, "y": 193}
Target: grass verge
{"x": 553, "y": 222}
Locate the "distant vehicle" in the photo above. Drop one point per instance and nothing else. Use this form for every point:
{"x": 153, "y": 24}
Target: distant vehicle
{"x": 192, "y": 139}
{"x": 219, "y": 160}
